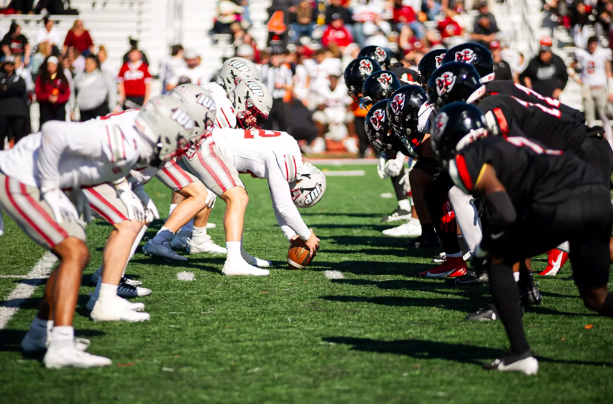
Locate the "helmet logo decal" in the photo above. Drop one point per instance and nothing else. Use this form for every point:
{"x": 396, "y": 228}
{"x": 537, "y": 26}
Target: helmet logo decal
{"x": 377, "y": 119}
{"x": 238, "y": 65}
{"x": 397, "y": 103}
{"x": 438, "y": 60}
{"x": 182, "y": 118}
{"x": 440, "y": 123}
{"x": 206, "y": 102}
{"x": 365, "y": 67}
{"x": 445, "y": 83}
{"x": 465, "y": 56}
{"x": 385, "y": 79}
{"x": 255, "y": 88}
{"x": 380, "y": 53}
{"x": 313, "y": 194}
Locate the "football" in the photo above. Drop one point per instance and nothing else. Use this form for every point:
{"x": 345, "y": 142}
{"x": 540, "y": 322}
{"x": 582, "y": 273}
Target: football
{"x": 298, "y": 257}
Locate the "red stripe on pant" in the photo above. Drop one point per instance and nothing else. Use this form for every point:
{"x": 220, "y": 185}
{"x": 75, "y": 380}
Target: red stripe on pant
{"x": 182, "y": 171}
{"x": 221, "y": 164}
{"x": 96, "y": 195}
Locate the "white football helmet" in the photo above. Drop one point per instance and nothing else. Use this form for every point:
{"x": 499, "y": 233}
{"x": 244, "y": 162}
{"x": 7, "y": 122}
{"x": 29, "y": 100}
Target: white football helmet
{"x": 166, "y": 123}
{"x": 200, "y": 105}
{"x": 252, "y": 104}
{"x": 309, "y": 187}
{"x": 235, "y": 70}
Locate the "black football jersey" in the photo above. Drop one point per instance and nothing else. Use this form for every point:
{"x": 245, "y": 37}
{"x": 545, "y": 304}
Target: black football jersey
{"x": 528, "y": 171}
{"x": 509, "y": 87}
{"x": 507, "y": 115}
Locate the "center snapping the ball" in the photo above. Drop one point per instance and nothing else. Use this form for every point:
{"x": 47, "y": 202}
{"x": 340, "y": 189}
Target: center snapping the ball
{"x": 298, "y": 257}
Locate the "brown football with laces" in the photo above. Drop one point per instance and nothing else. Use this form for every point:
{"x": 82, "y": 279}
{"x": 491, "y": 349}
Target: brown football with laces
{"x": 298, "y": 257}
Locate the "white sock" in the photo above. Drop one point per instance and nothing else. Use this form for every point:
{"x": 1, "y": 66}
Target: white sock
{"x": 234, "y": 250}
{"x": 163, "y": 236}
{"x": 564, "y": 247}
{"x": 405, "y": 205}
{"x": 199, "y": 235}
{"x": 62, "y": 333}
{"x": 108, "y": 291}
{"x": 516, "y": 276}
{"x": 135, "y": 244}
{"x": 172, "y": 207}
{"x": 188, "y": 228}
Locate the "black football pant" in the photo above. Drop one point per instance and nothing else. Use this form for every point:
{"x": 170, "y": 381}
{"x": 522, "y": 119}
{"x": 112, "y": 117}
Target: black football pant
{"x": 583, "y": 218}
{"x": 362, "y": 138}
{"x": 398, "y": 187}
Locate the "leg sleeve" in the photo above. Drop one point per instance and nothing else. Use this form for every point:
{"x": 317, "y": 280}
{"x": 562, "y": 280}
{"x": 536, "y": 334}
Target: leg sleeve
{"x": 467, "y": 217}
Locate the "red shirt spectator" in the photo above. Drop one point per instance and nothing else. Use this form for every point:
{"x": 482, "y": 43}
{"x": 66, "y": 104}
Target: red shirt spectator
{"x": 403, "y": 14}
{"x": 134, "y": 80}
{"x": 337, "y": 32}
{"x": 79, "y": 38}
{"x": 449, "y": 27}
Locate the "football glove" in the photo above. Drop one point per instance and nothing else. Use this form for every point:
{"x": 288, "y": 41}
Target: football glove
{"x": 394, "y": 167}
{"x": 135, "y": 208}
{"x": 63, "y": 210}
{"x": 80, "y": 201}
{"x": 151, "y": 211}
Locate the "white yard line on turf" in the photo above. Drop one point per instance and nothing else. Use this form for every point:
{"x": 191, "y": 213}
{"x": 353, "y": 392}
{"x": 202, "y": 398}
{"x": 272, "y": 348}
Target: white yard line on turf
{"x": 24, "y": 290}
{"x": 356, "y": 173}
{"x": 342, "y": 162}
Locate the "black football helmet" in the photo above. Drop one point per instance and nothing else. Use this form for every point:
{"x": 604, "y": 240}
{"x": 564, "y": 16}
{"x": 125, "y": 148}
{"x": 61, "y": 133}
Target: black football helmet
{"x": 377, "y": 127}
{"x": 456, "y": 126}
{"x": 381, "y": 55}
{"x": 473, "y": 54}
{"x": 454, "y": 81}
{"x": 356, "y": 73}
{"x": 379, "y": 86}
{"x": 429, "y": 63}
{"x": 403, "y": 112}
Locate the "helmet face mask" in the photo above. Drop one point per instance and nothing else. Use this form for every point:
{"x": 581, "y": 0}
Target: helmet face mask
{"x": 403, "y": 111}
{"x": 252, "y": 103}
{"x": 356, "y": 74}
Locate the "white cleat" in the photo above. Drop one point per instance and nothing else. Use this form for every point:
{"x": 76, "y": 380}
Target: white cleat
{"x": 526, "y": 364}
{"x": 126, "y": 304}
{"x": 211, "y": 225}
{"x": 241, "y": 268}
{"x": 33, "y": 342}
{"x": 251, "y": 260}
{"x": 207, "y": 246}
{"x": 412, "y": 228}
{"x": 97, "y": 275}
{"x": 180, "y": 240}
{"x": 71, "y": 356}
{"x": 114, "y": 310}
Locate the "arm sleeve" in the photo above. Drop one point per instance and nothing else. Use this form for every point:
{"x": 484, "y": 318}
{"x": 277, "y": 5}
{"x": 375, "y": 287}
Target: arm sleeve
{"x": 282, "y": 201}
{"x": 56, "y": 142}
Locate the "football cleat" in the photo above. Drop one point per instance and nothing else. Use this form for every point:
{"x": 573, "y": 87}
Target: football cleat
{"x": 97, "y": 275}
{"x": 241, "y": 268}
{"x": 471, "y": 278}
{"x": 211, "y": 225}
{"x": 524, "y": 363}
{"x": 489, "y": 313}
{"x": 207, "y": 246}
{"x": 126, "y": 304}
{"x": 69, "y": 355}
{"x": 422, "y": 242}
{"x": 180, "y": 240}
{"x": 398, "y": 214}
{"x": 33, "y": 342}
{"x": 163, "y": 251}
{"x": 452, "y": 267}
{"x": 442, "y": 256}
{"x": 412, "y": 228}
{"x": 555, "y": 261}
{"x": 124, "y": 289}
{"x": 251, "y": 260}
{"x": 530, "y": 296}
{"x": 114, "y": 310}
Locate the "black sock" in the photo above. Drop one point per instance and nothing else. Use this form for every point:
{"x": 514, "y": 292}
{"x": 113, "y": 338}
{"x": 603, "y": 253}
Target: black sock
{"x": 607, "y": 306}
{"x": 398, "y": 187}
{"x": 427, "y": 230}
{"x": 506, "y": 297}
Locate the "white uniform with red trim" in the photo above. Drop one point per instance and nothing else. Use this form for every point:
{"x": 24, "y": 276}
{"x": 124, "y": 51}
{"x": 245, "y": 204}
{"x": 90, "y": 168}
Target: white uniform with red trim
{"x": 225, "y": 116}
{"x": 272, "y": 155}
{"x": 69, "y": 155}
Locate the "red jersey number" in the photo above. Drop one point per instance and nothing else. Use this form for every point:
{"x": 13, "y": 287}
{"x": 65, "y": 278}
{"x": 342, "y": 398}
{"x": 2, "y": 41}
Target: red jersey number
{"x": 253, "y": 133}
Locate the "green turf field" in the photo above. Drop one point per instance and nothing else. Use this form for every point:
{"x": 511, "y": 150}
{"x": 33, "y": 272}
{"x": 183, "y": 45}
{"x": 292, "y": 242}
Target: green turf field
{"x": 380, "y": 335}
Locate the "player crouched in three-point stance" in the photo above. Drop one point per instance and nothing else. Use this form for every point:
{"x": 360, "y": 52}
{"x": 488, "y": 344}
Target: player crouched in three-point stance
{"x": 536, "y": 199}
{"x": 33, "y": 175}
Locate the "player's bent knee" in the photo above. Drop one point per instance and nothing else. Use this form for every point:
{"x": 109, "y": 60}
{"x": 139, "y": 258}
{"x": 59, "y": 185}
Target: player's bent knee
{"x": 129, "y": 226}
{"x": 236, "y": 195}
{"x": 74, "y": 250}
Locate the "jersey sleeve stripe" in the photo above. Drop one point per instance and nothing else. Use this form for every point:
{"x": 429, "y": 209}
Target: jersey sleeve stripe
{"x": 463, "y": 172}
{"x": 226, "y": 118}
{"x": 481, "y": 172}
{"x": 502, "y": 122}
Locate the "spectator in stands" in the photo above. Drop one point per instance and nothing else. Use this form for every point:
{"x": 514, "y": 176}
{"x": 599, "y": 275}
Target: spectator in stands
{"x": 581, "y": 19}
{"x": 502, "y": 69}
{"x": 409, "y": 43}
{"x": 16, "y": 44}
{"x": 485, "y": 26}
{"x": 451, "y": 32}
{"x": 79, "y": 37}
{"x": 171, "y": 66}
{"x": 604, "y": 17}
{"x": 546, "y": 73}
{"x": 191, "y": 73}
{"x": 369, "y": 21}
{"x": 245, "y": 51}
{"x": 104, "y": 66}
{"x": 49, "y": 34}
{"x": 75, "y": 60}
{"x": 278, "y": 77}
{"x": 12, "y": 102}
{"x": 96, "y": 90}
{"x": 25, "y": 74}
{"x": 52, "y": 7}
{"x": 241, "y": 50}
{"x": 227, "y": 14}
{"x": 405, "y": 14}
{"x": 337, "y": 7}
{"x": 133, "y": 45}
{"x": 134, "y": 82}
{"x": 18, "y": 7}
{"x": 337, "y": 32}
{"x": 42, "y": 52}
{"x": 304, "y": 24}
{"x": 52, "y": 91}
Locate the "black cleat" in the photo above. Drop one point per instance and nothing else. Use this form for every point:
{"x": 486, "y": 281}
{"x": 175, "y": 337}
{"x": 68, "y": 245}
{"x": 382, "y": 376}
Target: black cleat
{"x": 398, "y": 214}
{"x": 487, "y": 314}
{"x": 524, "y": 363}
{"x": 422, "y": 242}
{"x": 471, "y": 278}
{"x": 531, "y": 297}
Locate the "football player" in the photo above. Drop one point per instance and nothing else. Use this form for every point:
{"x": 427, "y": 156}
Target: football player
{"x": 60, "y": 157}
{"x": 536, "y": 199}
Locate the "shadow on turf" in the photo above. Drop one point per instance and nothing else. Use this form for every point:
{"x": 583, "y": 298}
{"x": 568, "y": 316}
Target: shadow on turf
{"x": 371, "y": 268}
{"x": 10, "y": 340}
{"x": 421, "y": 349}
{"x": 194, "y": 263}
{"x": 352, "y": 214}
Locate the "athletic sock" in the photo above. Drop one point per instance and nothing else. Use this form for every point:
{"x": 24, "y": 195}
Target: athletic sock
{"x": 163, "y": 236}
{"x": 172, "y": 207}
{"x": 233, "y": 249}
{"x": 108, "y": 291}
{"x": 199, "y": 235}
{"x": 404, "y": 205}
{"x": 506, "y": 297}
{"x": 188, "y": 228}
{"x": 61, "y": 336}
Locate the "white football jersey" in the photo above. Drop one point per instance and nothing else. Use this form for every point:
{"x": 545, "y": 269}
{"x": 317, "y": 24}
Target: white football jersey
{"x": 593, "y": 66}
{"x": 225, "y": 116}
